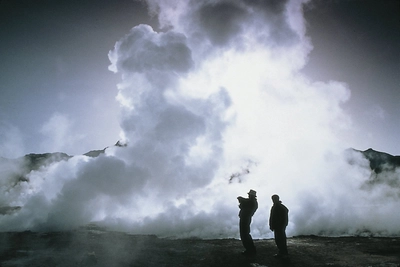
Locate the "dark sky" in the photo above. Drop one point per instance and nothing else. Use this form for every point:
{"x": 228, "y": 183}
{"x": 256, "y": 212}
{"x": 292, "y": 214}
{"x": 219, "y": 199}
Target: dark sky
{"x": 54, "y": 61}
{"x": 54, "y": 70}
{"x": 358, "y": 42}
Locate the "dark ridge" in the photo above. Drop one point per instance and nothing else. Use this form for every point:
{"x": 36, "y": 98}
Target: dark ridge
{"x": 380, "y": 161}
{"x": 95, "y": 153}
{"x": 383, "y": 170}
{"x": 18, "y": 169}
{"x": 9, "y": 209}
{"x": 35, "y": 161}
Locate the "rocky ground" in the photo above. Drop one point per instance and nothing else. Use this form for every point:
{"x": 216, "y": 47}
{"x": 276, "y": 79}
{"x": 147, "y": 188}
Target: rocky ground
{"x": 95, "y": 247}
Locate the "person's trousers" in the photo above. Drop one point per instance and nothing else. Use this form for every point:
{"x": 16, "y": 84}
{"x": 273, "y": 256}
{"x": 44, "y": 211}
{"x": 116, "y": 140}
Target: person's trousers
{"x": 247, "y": 240}
{"x": 280, "y": 240}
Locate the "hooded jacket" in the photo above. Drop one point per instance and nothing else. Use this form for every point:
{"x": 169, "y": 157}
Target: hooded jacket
{"x": 279, "y": 217}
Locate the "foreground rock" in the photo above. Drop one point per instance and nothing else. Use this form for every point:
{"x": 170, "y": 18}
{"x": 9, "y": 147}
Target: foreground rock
{"x": 94, "y": 247}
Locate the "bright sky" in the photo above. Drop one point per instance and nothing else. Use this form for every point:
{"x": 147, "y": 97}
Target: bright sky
{"x": 57, "y": 93}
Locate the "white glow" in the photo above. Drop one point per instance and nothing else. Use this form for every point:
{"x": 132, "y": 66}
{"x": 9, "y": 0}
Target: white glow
{"x": 205, "y": 120}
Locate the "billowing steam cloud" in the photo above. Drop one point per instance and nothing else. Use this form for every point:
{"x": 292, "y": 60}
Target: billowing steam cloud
{"x": 211, "y": 106}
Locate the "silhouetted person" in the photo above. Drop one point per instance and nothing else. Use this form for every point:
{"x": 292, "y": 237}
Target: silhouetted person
{"x": 278, "y": 221}
{"x": 248, "y": 207}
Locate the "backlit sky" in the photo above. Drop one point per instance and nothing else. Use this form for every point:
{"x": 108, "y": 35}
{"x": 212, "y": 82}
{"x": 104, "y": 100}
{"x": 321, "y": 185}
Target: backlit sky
{"x": 57, "y": 94}
{"x": 213, "y": 98}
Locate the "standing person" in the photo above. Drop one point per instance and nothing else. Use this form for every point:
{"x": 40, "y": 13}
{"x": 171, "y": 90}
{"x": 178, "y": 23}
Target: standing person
{"x": 248, "y": 207}
{"x": 278, "y": 221}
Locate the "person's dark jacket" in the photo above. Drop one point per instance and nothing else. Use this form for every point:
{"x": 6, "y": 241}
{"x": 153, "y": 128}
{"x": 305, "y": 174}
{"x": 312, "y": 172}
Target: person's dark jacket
{"x": 248, "y": 207}
{"x": 278, "y": 218}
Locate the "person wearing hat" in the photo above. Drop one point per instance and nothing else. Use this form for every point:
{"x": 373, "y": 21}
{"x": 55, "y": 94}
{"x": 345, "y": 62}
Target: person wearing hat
{"x": 248, "y": 207}
{"x": 278, "y": 220}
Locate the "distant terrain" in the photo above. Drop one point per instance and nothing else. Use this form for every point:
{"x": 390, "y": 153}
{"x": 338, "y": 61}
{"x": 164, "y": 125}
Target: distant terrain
{"x": 15, "y": 171}
{"x": 95, "y": 246}
{"x": 380, "y": 161}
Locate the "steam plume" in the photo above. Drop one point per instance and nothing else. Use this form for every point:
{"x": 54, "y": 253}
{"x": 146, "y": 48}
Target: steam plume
{"x": 217, "y": 92}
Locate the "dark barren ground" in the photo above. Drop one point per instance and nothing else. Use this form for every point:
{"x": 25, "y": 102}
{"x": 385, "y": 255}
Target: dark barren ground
{"x": 93, "y": 247}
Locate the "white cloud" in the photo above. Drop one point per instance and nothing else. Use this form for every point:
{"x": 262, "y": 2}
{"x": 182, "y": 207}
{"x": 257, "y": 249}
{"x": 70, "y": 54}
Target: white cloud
{"x": 196, "y": 108}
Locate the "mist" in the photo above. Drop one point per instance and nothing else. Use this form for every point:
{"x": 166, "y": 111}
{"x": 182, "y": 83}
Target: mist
{"x": 211, "y": 106}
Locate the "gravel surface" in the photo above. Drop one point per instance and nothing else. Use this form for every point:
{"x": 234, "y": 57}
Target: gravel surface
{"x": 88, "y": 247}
